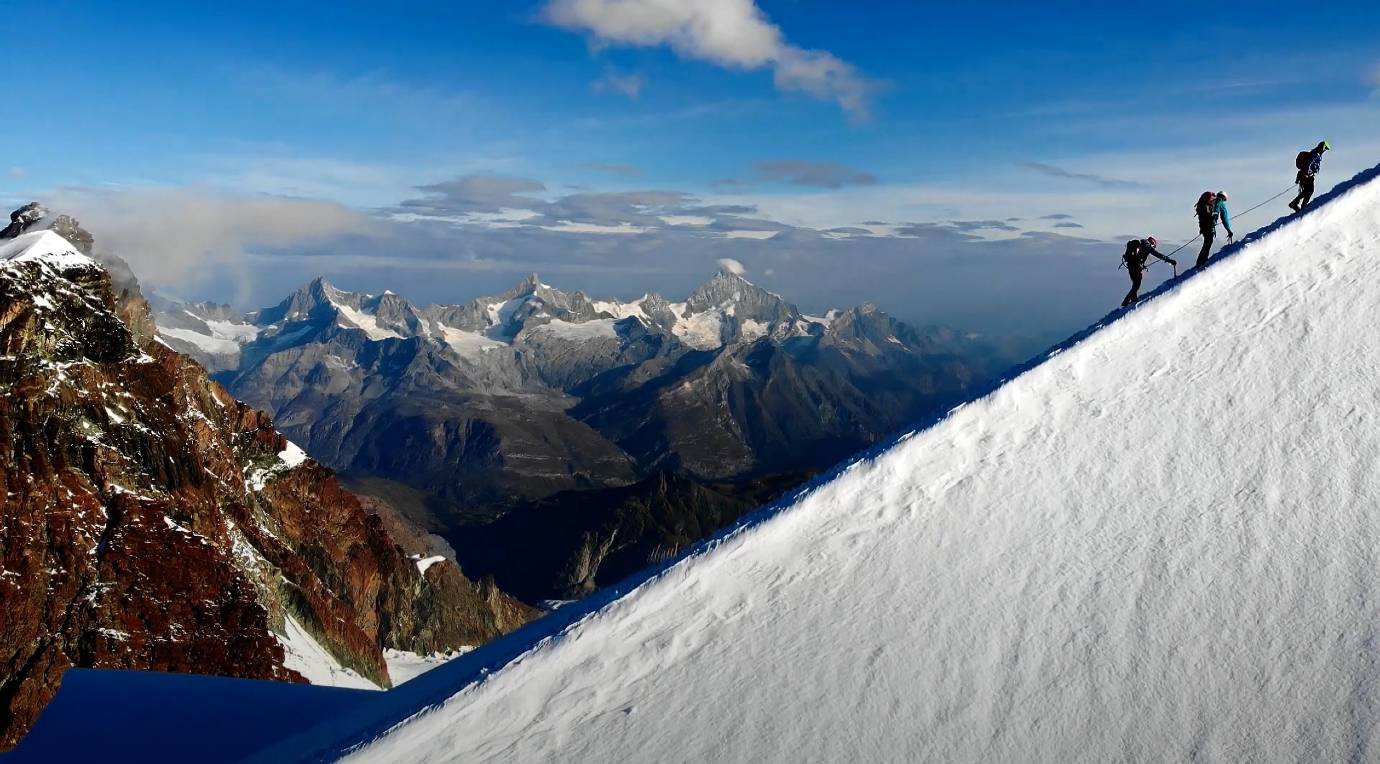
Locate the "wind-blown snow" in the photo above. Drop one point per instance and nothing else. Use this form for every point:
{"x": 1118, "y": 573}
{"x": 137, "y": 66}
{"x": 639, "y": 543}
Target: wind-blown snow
{"x": 1162, "y": 543}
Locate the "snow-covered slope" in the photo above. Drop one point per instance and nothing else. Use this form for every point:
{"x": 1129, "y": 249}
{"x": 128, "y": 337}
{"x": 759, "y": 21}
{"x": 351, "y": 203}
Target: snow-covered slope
{"x": 47, "y": 247}
{"x": 1158, "y": 544}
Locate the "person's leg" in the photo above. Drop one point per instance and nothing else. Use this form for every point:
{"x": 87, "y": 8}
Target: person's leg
{"x": 1135, "y": 286}
{"x": 1208, "y": 235}
{"x": 1306, "y": 192}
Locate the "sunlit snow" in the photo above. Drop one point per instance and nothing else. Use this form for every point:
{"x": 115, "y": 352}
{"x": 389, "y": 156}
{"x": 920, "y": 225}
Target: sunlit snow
{"x": 1157, "y": 545}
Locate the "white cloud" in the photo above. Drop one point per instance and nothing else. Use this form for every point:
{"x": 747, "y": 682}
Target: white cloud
{"x": 686, "y": 220}
{"x": 566, "y": 226}
{"x": 614, "y": 81}
{"x": 732, "y": 266}
{"x": 17, "y": 173}
{"x": 729, "y": 33}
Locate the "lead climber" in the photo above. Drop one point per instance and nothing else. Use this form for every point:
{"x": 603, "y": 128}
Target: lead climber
{"x": 1309, "y": 163}
{"x": 1137, "y": 252}
{"x": 22, "y": 218}
{"x": 1209, "y": 209}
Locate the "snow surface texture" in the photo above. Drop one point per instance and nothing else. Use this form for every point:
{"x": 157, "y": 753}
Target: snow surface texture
{"x": 1158, "y": 544}
{"x": 404, "y": 666}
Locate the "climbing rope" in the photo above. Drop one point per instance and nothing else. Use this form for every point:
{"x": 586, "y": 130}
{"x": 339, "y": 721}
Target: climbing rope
{"x": 1239, "y": 215}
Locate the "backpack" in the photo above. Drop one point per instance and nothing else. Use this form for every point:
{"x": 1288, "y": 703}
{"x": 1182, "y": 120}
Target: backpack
{"x": 1206, "y": 208}
{"x": 1304, "y": 159}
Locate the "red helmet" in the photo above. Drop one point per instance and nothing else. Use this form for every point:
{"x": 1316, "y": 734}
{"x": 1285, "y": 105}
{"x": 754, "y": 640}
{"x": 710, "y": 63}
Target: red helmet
{"x": 1153, "y": 241}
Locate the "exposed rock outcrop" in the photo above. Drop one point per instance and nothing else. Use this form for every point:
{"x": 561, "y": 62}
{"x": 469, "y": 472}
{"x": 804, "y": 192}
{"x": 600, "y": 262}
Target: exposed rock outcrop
{"x": 152, "y": 521}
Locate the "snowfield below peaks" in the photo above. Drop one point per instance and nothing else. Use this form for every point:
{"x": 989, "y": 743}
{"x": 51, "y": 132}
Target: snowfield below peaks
{"x": 1161, "y": 543}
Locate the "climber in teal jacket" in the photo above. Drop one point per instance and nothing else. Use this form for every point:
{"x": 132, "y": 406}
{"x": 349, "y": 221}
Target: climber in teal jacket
{"x": 1211, "y": 208}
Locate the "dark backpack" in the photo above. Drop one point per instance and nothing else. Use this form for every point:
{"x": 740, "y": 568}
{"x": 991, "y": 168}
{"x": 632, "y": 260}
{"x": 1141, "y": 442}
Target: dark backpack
{"x": 1132, "y": 252}
{"x": 1206, "y": 208}
{"x": 1304, "y": 159}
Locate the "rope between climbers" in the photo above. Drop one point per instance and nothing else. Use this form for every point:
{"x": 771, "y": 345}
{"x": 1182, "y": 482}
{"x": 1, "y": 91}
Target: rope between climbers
{"x": 1237, "y": 217}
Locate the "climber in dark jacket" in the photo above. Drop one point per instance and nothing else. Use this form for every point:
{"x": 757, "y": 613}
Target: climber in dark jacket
{"x": 1306, "y": 178}
{"x": 1212, "y": 208}
{"x": 1137, "y": 252}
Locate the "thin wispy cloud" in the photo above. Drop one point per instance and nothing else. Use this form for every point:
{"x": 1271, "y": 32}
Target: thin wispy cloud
{"x": 1086, "y": 177}
{"x": 625, "y": 84}
{"x": 16, "y": 173}
{"x": 803, "y": 172}
{"x": 729, "y": 33}
{"x": 614, "y": 168}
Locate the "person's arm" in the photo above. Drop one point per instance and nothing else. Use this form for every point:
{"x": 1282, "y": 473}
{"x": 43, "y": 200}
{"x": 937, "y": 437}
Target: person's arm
{"x": 1156, "y": 253}
{"x": 1226, "y": 216}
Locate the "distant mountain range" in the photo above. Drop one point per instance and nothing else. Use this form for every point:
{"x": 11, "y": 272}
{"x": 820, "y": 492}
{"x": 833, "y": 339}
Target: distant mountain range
{"x": 476, "y": 409}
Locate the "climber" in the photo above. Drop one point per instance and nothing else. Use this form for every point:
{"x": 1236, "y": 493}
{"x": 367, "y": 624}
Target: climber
{"x": 1137, "y": 252}
{"x": 1211, "y": 208}
{"x": 22, "y": 218}
{"x": 1309, "y": 163}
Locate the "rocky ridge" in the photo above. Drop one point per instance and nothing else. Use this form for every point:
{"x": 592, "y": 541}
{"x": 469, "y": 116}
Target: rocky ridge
{"x": 153, "y": 521}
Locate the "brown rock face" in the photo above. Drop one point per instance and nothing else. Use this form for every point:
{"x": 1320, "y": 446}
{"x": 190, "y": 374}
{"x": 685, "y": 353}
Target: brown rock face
{"x": 151, "y": 521}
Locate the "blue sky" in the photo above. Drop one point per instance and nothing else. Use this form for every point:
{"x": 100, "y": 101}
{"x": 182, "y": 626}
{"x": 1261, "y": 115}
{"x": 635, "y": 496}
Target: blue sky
{"x": 232, "y": 152}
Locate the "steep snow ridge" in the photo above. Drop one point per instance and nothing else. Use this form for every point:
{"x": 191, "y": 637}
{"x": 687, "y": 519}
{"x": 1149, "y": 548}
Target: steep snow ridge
{"x": 1158, "y": 543}
{"x": 47, "y": 247}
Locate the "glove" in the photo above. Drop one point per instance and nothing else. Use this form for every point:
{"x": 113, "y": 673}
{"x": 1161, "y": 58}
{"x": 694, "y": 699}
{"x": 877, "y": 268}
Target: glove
{"x": 1174, "y": 262}
{"x": 1230, "y": 237}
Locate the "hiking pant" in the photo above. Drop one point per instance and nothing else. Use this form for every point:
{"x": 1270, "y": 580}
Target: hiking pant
{"x": 1136, "y": 272}
{"x": 1305, "y": 196}
{"x": 1208, "y": 235}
